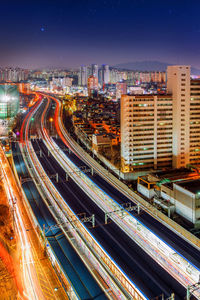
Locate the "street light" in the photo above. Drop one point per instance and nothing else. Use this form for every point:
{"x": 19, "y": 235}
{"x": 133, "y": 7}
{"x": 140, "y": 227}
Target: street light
{"x": 51, "y": 120}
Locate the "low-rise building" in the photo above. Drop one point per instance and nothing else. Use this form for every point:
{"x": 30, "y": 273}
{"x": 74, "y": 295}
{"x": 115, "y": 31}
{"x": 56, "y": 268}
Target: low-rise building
{"x": 176, "y": 191}
{"x": 101, "y": 142}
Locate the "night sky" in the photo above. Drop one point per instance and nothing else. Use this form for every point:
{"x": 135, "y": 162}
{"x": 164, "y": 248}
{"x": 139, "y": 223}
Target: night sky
{"x": 69, "y": 33}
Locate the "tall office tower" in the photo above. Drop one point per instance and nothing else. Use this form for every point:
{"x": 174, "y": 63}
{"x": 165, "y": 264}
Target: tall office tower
{"x": 104, "y": 74}
{"x": 92, "y": 85}
{"x": 95, "y": 70}
{"x": 178, "y": 84}
{"x": 83, "y": 76}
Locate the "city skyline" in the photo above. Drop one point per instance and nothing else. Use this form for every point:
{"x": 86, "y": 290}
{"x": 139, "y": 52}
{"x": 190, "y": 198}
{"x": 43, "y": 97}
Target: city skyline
{"x": 65, "y": 34}
{"x": 100, "y": 149}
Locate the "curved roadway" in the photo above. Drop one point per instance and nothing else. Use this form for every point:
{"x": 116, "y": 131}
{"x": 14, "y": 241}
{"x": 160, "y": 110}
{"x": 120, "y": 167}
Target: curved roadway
{"x": 143, "y": 270}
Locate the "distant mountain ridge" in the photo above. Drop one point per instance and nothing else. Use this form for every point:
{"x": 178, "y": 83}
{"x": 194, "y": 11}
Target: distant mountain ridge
{"x": 149, "y": 66}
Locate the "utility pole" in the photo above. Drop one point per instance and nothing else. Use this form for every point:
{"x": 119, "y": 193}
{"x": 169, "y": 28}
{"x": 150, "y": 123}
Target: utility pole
{"x": 192, "y": 288}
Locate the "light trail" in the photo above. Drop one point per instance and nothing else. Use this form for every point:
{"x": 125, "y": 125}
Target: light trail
{"x": 37, "y": 99}
{"x": 163, "y": 254}
{"x": 177, "y": 265}
{"x": 30, "y": 289}
{"x": 65, "y": 213}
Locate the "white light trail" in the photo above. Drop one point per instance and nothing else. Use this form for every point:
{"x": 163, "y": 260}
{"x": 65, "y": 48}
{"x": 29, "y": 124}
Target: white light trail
{"x": 178, "y": 266}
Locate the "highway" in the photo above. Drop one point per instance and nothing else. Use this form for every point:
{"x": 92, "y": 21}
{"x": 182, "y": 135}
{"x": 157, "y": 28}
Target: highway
{"x": 26, "y": 279}
{"x": 92, "y": 253}
{"x": 142, "y": 269}
{"x": 71, "y": 263}
{"x": 181, "y": 246}
{"x": 74, "y": 269}
{"x": 175, "y": 241}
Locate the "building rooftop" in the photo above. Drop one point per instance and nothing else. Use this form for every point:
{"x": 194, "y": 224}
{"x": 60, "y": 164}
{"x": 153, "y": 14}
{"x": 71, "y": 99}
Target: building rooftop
{"x": 174, "y": 173}
{"x": 191, "y": 185}
{"x": 196, "y": 80}
{"x": 149, "y": 95}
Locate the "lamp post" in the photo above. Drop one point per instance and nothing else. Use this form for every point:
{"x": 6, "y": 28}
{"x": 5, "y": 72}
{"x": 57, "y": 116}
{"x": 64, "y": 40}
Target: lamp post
{"x": 51, "y": 121}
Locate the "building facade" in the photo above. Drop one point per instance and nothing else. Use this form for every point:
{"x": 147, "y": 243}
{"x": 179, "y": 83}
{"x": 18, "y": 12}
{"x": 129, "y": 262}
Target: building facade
{"x": 13, "y": 74}
{"x": 159, "y": 131}
{"x": 104, "y": 75}
{"x": 179, "y": 192}
{"x": 178, "y": 84}
{"x": 95, "y": 70}
{"x": 92, "y": 85}
{"x": 83, "y": 76}
{"x": 9, "y": 101}
{"x": 194, "y": 154}
{"x": 146, "y": 132}
{"x": 121, "y": 89}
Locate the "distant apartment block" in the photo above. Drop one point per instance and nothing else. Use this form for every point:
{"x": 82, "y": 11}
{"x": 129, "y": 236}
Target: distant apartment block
{"x": 104, "y": 75}
{"x": 83, "y": 76}
{"x": 159, "y": 131}
{"x": 121, "y": 89}
{"x": 92, "y": 85}
{"x": 13, "y": 74}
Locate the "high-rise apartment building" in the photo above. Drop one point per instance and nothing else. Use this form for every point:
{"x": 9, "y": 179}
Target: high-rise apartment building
{"x": 117, "y": 75}
{"x": 159, "y": 131}
{"x": 85, "y": 72}
{"x": 121, "y": 89}
{"x": 95, "y": 70}
{"x": 104, "y": 75}
{"x": 13, "y": 74}
{"x": 146, "y": 132}
{"x": 92, "y": 85}
{"x": 83, "y": 76}
{"x": 194, "y": 123}
{"x": 178, "y": 84}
